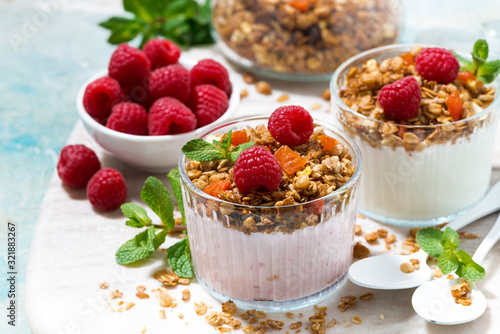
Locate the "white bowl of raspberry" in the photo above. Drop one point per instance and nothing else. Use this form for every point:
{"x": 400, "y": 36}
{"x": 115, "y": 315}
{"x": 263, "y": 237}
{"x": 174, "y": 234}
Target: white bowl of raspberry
{"x": 146, "y": 124}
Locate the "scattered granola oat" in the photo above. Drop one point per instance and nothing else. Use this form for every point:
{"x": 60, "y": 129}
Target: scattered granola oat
{"x": 347, "y": 302}
{"x": 360, "y": 251}
{"x": 326, "y": 95}
{"x": 382, "y": 233}
{"x": 184, "y": 281}
{"x": 357, "y": 230}
{"x": 115, "y": 294}
{"x": 181, "y": 316}
{"x": 163, "y": 297}
{"x": 249, "y": 78}
{"x": 465, "y": 235}
{"x": 283, "y": 98}
{"x": 243, "y": 93}
{"x": 263, "y": 88}
{"x": 371, "y": 237}
{"x": 247, "y": 329}
{"x": 143, "y": 329}
{"x": 186, "y": 294}
{"x": 275, "y": 324}
{"x": 104, "y": 285}
{"x": 460, "y": 293}
{"x": 438, "y": 273}
{"x": 260, "y": 314}
{"x": 214, "y": 318}
{"x": 366, "y": 296}
{"x": 390, "y": 239}
{"x": 296, "y": 325}
{"x": 121, "y": 302}
{"x": 415, "y": 263}
{"x": 331, "y": 323}
{"x": 381, "y": 316}
{"x": 162, "y": 314}
{"x": 229, "y": 307}
{"x": 406, "y": 267}
{"x": 450, "y": 276}
{"x": 129, "y": 306}
{"x": 290, "y": 315}
{"x": 200, "y": 308}
{"x": 356, "y": 320}
{"x": 119, "y": 310}
{"x": 316, "y": 106}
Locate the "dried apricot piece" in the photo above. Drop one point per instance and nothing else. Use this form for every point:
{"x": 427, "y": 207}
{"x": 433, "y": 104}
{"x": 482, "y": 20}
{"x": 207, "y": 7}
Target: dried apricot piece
{"x": 289, "y": 160}
{"x": 328, "y": 142}
{"x": 465, "y": 76}
{"x": 408, "y": 59}
{"x": 316, "y": 207}
{"x": 216, "y": 186}
{"x": 302, "y": 5}
{"x": 454, "y": 104}
{"x": 239, "y": 137}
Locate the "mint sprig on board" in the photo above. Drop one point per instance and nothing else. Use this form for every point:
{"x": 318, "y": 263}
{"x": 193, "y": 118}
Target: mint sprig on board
{"x": 186, "y": 22}
{"x": 158, "y": 198}
{"x": 201, "y": 150}
{"x": 484, "y": 70}
{"x": 445, "y": 246}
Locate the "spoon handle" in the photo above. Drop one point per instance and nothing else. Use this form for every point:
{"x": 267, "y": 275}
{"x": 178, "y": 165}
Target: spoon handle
{"x": 489, "y": 204}
{"x": 488, "y": 242}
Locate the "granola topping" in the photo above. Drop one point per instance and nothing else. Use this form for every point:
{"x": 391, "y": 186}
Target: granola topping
{"x": 324, "y": 172}
{"x": 364, "y": 84}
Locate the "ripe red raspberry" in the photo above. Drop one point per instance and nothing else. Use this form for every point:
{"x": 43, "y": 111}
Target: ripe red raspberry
{"x": 169, "y": 116}
{"x": 128, "y": 117}
{"x": 107, "y": 190}
{"x": 172, "y": 80}
{"x": 401, "y": 99}
{"x": 77, "y": 164}
{"x": 208, "y": 71}
{"x": 291, "y": 125}
{"x": 100, "y": 96}
{"x": 128, "y": 65}
{"x": 208, "y": 103}
{"x": 437, "y": 64}
{"x": 161, "y": 52}
{"x": 139, "y": 94}
{"x": 257, "y": 168}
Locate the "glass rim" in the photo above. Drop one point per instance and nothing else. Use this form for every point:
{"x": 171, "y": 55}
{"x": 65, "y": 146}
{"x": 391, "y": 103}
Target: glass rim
{"x": 348, "y": 185}
{"x": 402, "y": 47}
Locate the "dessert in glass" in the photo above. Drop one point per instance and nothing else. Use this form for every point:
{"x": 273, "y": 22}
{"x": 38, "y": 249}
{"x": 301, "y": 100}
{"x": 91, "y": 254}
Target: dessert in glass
{"x": 302, "y": 40}
{"x": 433, "y": 165}
{"x": 276, "y": 249}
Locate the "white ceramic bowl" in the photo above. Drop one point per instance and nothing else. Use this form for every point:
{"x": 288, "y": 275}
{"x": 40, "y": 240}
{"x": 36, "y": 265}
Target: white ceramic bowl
{"x": 156, "y": 154}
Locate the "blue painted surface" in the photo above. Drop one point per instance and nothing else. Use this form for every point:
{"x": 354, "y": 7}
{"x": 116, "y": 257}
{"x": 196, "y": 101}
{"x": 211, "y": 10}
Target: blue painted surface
{"x": 38, "y": 84}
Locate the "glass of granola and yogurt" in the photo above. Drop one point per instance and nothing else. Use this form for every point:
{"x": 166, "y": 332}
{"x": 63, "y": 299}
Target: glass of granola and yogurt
{"x": 425, "y": 165}
{"x": 275, "y": 229}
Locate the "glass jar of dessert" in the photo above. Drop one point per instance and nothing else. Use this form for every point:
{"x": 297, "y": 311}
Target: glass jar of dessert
{"x": 302, "y": 40}
{"x": 273, "y": 249}
{"x": 431, "y": 165}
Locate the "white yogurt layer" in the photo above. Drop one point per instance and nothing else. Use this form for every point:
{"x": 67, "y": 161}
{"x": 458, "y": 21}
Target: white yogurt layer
{"x": 442, "y": 180}
{"x": 271, "y": 267}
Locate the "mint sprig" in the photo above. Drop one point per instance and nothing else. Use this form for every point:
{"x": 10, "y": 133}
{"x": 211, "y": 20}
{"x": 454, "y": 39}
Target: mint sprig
{"x": 186, "y": 22}
{"x": 158, "y": 198}
{"x": 174, "y": 176}
{"x": 445, "y": 245}
{"x": 484, "y": 70}
{"x": 201, "y": 150}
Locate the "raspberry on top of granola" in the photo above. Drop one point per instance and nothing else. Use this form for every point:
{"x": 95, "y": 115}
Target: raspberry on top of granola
{"x": 436, "y": 72}
{"x": 271, "y": 173}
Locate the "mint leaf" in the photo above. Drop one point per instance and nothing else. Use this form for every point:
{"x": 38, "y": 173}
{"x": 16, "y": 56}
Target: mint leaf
{"x": 448, "y": 261}
{"x": 201, "y": 150}
{"x": 179, "y": 260}
{"x": 122, "y": 29}
{"x": 480, "y": 52}
{"x": 158, "y": 198}
{"x": 235, "y": 153}
{"x": 489, "y": 71}
{"x": 465, "y": 64}
{"x": 469, "y": 269}
{"x": 451, "y": 239}
{"x": 174, "y": 177}
{"x": 159, "y": 238}
{"x": 429, "y": 240}
{"x": 138, "y": 248}
{"x": 137, "y": 216}
{"x": 147, "y": 10}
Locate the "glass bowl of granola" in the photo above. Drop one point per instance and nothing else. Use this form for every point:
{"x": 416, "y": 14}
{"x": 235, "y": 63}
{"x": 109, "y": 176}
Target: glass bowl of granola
{"x": 273, "y": 249}
{"x": 304, "y": 40}
{"x": 429, "y": 167}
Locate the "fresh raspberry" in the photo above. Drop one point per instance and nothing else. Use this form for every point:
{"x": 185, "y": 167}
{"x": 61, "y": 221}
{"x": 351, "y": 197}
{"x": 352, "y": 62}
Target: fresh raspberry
{"x": 169, "y": 116}
{"x": 208, "y": 71}
{"x": 257, "y": 168}
{"x": 77, "y": 164}
{"x": 128, "y": 117}
{"x": 107, "y": 190}
{"x": 291, "y": 125}
{"x": 139, "y": 94}
{"x": 437, "y": 64}
{"x": 172, "y": 80}
{"x": 128, "y": 65}
{"x": 100, "y": 96}
{"x": 161, "y": 52}
{"x": 208, "y": 103}
{"x": 401, "y": 99}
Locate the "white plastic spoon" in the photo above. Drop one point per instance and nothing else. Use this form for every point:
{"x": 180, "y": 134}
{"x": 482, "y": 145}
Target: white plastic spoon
{"x": 383, "y": 271}
{"x": 433, "y": 301}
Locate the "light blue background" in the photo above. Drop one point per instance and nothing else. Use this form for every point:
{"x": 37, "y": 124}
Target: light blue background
{"x": 39, "y": 81}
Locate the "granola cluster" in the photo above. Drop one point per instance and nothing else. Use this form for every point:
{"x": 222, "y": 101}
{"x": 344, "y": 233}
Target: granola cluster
{"x": 312, "y": 37}
{"x": 323, "y": 173}
{"x": 363, "y": 84}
